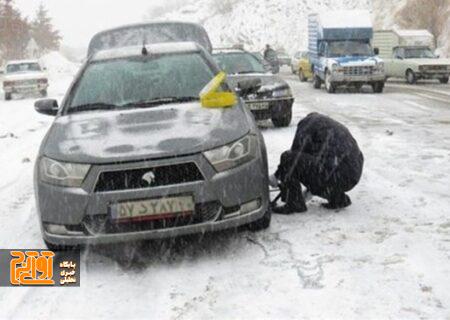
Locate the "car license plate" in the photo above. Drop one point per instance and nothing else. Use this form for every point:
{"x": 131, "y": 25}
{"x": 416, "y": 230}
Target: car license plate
{"x": 153, "y": 209}
{"x": 259, "y": 106}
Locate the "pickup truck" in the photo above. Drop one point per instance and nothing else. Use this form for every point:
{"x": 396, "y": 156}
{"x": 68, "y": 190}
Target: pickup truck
{"x": 409, "y": 54}
{"x": 24, "y": 77}
{"x": 341, "y": 53}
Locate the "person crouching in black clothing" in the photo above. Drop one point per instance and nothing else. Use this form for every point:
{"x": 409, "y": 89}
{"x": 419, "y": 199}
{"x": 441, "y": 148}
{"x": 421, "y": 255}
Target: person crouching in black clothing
{"x": 325, "y": 158}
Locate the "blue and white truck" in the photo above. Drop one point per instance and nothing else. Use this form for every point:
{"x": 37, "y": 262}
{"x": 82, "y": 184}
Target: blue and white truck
{"x": 341, "y": 52}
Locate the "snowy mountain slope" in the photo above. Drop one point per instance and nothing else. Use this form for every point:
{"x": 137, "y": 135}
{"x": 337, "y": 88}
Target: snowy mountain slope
{"x": 282, "y": 23}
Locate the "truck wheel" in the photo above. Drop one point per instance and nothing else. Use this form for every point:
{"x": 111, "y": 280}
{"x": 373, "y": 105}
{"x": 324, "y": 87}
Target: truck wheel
{"x": 444, "y": 80}
{"x": 8, "y": 96}
{"x": 328, "y": 84}
{"x": 284, "y": 120}
{"x": 261, "y": 224}
{"x": 302, "y": 77}
{"x": 411, "y": 77}
{"x": 378, "y": 87}
{"x": 317, "y": 83}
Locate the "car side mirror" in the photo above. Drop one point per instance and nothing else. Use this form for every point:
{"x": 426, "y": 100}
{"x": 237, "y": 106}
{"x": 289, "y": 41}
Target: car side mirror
{"x": 48, "y": 107}
{"x": 376, "y": 51}
{"x": 247, "y": 87}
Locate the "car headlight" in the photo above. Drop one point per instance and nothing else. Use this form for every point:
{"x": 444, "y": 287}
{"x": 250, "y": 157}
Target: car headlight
{"x": 282, "y": 93}
{"x": 62, "y": 173}
{"x": 234, "y": 154}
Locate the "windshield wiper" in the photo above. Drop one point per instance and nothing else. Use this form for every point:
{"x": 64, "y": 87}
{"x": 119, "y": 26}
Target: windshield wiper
{"x": 159, "y": 101}
{"x": 92, "y": 107}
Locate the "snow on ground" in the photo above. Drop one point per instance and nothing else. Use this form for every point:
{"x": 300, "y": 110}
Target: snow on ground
{"x": 387, "y": 256}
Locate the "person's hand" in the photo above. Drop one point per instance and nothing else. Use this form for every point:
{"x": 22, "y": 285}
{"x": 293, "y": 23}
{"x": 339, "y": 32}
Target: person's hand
{"x": 273, "y": 181}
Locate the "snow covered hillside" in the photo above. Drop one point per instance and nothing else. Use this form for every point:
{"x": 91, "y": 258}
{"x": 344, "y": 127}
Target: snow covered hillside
{"x": 282, "y": 23}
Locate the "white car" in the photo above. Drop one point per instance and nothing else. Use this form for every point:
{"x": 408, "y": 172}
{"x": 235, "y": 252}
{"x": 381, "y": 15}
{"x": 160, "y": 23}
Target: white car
{"x": 24, "y": 77}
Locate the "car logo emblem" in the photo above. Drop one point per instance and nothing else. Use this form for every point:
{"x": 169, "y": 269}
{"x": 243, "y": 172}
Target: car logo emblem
{"x": 149, "y": 177}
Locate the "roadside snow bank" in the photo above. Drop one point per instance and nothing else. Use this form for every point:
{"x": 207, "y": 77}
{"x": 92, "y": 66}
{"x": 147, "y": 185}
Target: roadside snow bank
{"x": 57, "y": 64}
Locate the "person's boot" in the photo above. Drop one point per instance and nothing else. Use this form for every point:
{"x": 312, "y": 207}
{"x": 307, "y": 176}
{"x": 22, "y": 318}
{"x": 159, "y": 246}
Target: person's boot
{"x": 290, "y": 208}
{"x": 340, "y": 202}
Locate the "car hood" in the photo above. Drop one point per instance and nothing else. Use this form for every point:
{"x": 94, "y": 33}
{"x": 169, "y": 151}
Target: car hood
{"x": 141, "y": 134}
{"x": 269, "y": 82}
{"x": 356, "y": 61}
{"x": 24, "y": 76}
{"x": 429, "y": 62}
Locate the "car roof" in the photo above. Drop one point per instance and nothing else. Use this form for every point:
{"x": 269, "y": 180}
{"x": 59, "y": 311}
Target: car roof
{"x": 21, "y": 61}
{"x": 231, "y": 50}
{"x": 134, "y": 51}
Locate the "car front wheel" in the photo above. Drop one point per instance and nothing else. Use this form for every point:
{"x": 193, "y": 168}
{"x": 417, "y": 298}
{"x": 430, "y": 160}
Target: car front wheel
{"x": 8, "y": 96}
{"x": 261, "y": 224}
{"x": 378, "y": 87}
{"x": 282, "y": 120}
{"x": 317, "y": 83}
{"x": 328, "y": 84}
{"x": 444, "y": 80}
{"x": 411, "y": 77}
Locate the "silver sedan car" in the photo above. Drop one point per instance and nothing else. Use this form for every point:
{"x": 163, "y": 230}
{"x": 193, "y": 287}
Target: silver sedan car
{"x": 133, "y": 155}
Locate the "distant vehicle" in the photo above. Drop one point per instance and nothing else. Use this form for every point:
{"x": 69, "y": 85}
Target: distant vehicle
{"x": 284, "y": 58}
{"x": 24, "y": 77}
{"x": 409, "y": 54}
{"x": 157, "y": 32}
{"x": 149, "y": 144}
{"x": 341, "y": 53}
{"x": 301, "y": 65}
{"x": 273, "y": 99}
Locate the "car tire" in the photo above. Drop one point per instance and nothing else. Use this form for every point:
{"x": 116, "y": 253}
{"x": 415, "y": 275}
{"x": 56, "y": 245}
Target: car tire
{"x": 8, "y": 96}
{"x": 284, "y": 120}
{"x": 317, "y": 83}
{"x": 378, "y": 87}
{"x": 261, "y": 224}
{"x": 301, "y": 76}
{"x": 54, "y": 247}
{"x": 329, "y": 86}
{"x": 411, "y": 77}
{"x": 44, "y": 93}
{"x": 444, "y": 80}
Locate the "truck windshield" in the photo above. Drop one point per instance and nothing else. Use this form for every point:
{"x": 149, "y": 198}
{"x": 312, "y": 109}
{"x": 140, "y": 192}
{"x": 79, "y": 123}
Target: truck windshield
{"x": 349, "y": 48}
{"x": 419, "y": 53}
{"x": 239, "y": 63}
{"x": 140, "y": 82}
{"x": 23, "y": 67}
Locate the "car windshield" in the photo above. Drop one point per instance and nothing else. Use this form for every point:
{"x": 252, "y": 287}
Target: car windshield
{"x": 141, "y": 81}
{"x": 239, "y": 63}
{"x": 419, "y": 53}
{"x": 349, "y": 48}
{"x": 23, "y": 67}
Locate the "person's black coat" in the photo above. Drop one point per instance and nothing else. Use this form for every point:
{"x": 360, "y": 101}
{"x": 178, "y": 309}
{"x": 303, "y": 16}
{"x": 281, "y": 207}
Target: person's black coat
{"x": 325, "y": 154}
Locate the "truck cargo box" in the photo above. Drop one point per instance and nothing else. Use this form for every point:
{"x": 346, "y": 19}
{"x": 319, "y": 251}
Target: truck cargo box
{"x": 387, "y": 40}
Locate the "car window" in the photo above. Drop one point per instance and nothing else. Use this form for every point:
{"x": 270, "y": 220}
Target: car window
{"x": 399, "y": 53}
{"x": 239, "y": 63}
{"x": 131, "y": 80}
{"x": 23, "y": 67}
{"x": 419, "y": 53}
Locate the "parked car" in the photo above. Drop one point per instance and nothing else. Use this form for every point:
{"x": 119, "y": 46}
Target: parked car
{"x": 273, "y": 99}
{"x": 304, "y": 67}
{"x": 139, "y": 150}
{"x": 283, "y": 58}
{"x": 24, "y": 77}
{"x": 409, "y": 54}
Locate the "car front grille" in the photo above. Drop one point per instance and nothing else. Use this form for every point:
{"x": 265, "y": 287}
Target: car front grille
{"x": 148, "y": 177}
{"x": 358, "y": 71}
{"x": 436, "y": 68}
{"x": 26, "y": 82}
{"x": 103, "y": 224}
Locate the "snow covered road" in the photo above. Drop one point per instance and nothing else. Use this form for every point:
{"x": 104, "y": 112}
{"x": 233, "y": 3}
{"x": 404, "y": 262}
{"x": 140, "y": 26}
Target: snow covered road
{"x": 387, "y": 256}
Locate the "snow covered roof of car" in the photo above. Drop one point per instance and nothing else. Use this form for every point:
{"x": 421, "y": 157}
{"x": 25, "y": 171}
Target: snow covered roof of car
{"x": 413, "y": 33}
{"x": 230, "y": 50}
{"x": 159, "y": 48}
{"x": 21, "y": 61}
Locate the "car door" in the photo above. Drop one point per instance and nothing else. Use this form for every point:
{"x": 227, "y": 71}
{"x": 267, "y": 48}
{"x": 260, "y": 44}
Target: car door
{"x": 399, "y": 67}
